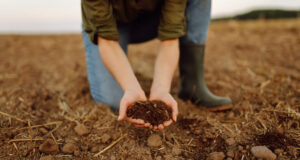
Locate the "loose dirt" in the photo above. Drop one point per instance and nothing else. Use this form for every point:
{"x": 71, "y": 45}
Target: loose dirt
{"x": 153, "y": 112}
{"x": 43, "y": 84}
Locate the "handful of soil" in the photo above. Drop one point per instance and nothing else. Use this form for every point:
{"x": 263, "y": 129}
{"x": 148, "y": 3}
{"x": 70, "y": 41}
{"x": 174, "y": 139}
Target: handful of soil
{"x": 153, "y": 112}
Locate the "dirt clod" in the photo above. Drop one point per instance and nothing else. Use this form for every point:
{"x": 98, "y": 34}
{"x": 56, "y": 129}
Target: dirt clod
{"x": 154, "y": 112}
{"x": 84, "y": 148}
{"x": 95, "y": 149}
{"x": 216, "y": 156}
{"x": 49, "y": 146}
{"x": 230, "y": 141}
{"x": 230, "y": 154}
{"x": 76, "y": 152}
{"x": 81, "y": 130}
{"x": 263, "y": 152}
{"x": 176, "y": 151}
{"x": 105, "y": 138}
{"x": 69, "y": 148}
{"x": 278, "y": 151}
{"x": 154, "y": 140}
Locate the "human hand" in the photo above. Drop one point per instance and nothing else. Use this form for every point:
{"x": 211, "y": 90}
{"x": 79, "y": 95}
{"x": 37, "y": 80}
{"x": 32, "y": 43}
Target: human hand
{"x": 128, "y": 99}
{"x": 167, "y": 98}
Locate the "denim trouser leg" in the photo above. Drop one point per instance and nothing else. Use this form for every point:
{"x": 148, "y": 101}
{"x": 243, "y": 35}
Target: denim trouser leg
{"x": 197, "y": 18}
{"x": 103, "y": 87}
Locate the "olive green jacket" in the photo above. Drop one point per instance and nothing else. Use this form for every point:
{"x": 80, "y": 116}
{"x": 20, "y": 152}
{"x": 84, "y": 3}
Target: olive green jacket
{"x": 99, "y": 16}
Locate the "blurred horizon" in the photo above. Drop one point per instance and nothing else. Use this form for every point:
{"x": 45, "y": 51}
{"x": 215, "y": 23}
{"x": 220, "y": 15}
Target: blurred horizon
{"x": 35, "y": 16}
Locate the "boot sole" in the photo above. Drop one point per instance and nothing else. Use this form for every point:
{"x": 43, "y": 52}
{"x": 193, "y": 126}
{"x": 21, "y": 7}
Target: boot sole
{"x": 218, "y": 109}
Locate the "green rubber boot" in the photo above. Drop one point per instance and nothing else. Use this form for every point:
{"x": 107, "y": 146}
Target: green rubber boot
{"x": 193, "y": 86}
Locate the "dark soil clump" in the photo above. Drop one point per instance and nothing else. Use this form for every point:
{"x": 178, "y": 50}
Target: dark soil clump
{"x": 276, "y": 140}
{"x": 154, "y": 112}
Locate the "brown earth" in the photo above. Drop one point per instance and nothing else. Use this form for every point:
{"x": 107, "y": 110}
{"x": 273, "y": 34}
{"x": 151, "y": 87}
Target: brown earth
{"x": 153, "y": 112}
{"x": 43, "y": 84}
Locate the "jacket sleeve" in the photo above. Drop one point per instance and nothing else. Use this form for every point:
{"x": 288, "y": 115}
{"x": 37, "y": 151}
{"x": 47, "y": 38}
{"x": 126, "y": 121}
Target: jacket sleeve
{"x": 172, "y": 21}
{"x": 98, "y": 20}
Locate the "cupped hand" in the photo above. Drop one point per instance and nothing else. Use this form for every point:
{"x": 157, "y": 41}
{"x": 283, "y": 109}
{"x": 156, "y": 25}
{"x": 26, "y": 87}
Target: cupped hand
{"x": 167, "y": 98}
{"x": 128, "y": 99}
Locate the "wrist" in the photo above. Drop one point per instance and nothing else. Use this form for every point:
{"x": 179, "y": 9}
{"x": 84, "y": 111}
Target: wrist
{"x": 137, "y": 90}
{"x": 159, "y": 89}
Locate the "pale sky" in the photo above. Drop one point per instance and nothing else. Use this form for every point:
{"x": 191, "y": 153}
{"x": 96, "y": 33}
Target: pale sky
{"x": 63, "y": 16}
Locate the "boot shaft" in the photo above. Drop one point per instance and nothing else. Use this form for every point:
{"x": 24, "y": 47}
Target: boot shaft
{"x": 191, "y": 63}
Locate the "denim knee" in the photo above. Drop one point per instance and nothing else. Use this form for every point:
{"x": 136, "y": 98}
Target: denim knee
{"x": 198, "y": 14}
{"x": 107, "y": 96}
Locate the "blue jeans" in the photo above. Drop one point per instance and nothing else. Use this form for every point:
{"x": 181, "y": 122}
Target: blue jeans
{"x": 103, "y": 87}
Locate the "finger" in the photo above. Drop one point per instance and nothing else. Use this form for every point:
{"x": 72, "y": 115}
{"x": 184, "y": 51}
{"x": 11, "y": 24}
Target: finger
{"x": 122, "y": 111}
{"x": 174, "y": 111}
{"x": 143, "y": 97}
{"x": 151, "y": 98}
{"x": 167, "y": 123}
{"x": 155, "y": 128}
{"x": 150, "y": 127}
{"x": 135, "y": 121}
{"x": 160, "y": 127}
{"x": 147, "y": 124}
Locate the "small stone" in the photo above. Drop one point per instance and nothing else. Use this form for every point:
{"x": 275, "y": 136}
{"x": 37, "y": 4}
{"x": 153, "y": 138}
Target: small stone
{"x": 240, "y": 148}
{"x": 39, "y": 114}
{"x": 69, "y": 148}
{"x": 105, "y": 138}
{"x": 230, "y": 141}
{"x": 76, "y": 153}
{"x": 49, "y": 146}
{"x": 216, "y": 156}
{"x": 63, "y": 133}
{"x": 43, "y": 130}
{"x": 176, "y": 151}
{"x": 84, "y": 148}
{"x": 230, "y": 154}
{"x": 112, "y": 157}
{"x": 81, "y": 130}
{"x": 47, "y": 158}
{"x": 278, "y": 151}
{"x": 230, "y": 115}
{"x": 2, "y": 100}
{"x": 154, "y": 140}
{"x": 95, "y": 149}
{"x": 263, "y": 152}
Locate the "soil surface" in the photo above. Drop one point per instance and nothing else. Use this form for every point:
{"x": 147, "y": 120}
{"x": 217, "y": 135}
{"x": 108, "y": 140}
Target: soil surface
{"x": 154, "y": 112}
{"x": 46, "y": 110}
